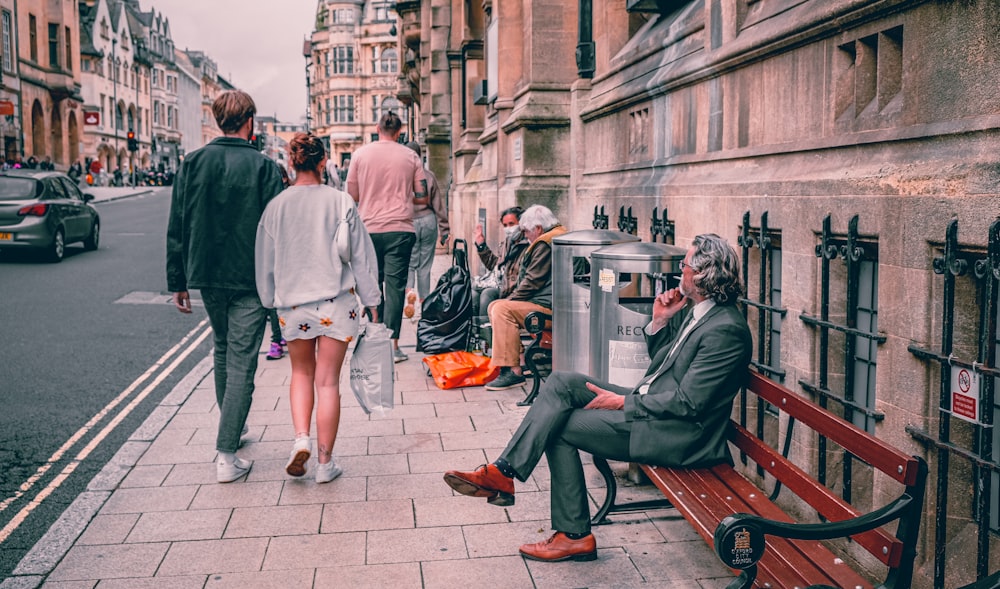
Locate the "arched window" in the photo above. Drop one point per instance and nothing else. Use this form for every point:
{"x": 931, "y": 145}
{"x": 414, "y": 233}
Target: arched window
{"x": 391, "y": 103}
{"x": 119, "y": 122}
{"x": 390, "y": 61}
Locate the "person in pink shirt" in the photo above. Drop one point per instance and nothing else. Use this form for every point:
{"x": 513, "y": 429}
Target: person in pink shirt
{"x": 386, "y": 179}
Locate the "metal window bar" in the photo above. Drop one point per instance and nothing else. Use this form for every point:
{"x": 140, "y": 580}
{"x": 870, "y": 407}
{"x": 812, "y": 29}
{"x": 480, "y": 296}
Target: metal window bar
{"x": 953, "y": 264}
{"x": 769, "y": 318}
{"x": 852, "y": 250}
{"x": 600, "y": 218}
{"x": 626, "y": 221}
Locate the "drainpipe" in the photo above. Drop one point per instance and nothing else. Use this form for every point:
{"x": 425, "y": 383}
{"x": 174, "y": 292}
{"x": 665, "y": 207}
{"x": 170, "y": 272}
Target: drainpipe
{"x": 585, "y": 45}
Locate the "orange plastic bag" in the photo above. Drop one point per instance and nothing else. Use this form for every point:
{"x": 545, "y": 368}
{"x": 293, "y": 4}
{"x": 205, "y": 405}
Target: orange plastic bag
{"x": 452, "y": 370}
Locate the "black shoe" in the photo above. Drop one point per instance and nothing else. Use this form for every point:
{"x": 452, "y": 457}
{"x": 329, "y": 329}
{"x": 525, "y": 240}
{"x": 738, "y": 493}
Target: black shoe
{"x": 505, "y": 380}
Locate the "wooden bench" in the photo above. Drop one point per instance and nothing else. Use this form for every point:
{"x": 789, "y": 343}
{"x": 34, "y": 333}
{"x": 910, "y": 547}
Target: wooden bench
{"x": 538, "y": 353}
{"x": 751, "y": 534}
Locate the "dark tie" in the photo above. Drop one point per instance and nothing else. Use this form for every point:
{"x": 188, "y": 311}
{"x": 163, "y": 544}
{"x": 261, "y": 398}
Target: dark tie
{"x": 643, "y": 385}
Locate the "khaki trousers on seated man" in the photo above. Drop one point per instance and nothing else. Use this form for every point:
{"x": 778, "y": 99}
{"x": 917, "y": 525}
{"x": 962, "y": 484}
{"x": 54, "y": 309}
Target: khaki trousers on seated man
{"x": 507, "y": 321}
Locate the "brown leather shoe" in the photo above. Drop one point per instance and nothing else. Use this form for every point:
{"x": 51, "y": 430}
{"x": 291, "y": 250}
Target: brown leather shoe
{"x": 560, "y": 547}
{"x": 486, "y": 481}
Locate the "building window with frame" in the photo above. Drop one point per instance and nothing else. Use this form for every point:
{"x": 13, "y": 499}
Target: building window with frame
{"x": 375, "y": 113}
{"x": 54, "y": 45}
{"x": 375, "y": 59}
{"x": 67, "y": 41}
{"x": 343, "y": 16}
{"x": 390, "y": 61}
{"x": 343, "y": 106}
{"x": 104, "y": 29}
{"x": 8, "y": 45}
{"x": 33, "y": 37}
{"x": 119, "y": 118}
{"x": 381, "y": 12}
{"x": 343, "y": 59}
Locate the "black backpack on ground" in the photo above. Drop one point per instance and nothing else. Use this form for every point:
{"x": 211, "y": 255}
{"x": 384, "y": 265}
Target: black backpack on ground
{"x": 446, "y": 314}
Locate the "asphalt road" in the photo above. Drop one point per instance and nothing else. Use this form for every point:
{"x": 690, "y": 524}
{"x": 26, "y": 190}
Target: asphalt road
{"x": 75, "y": 336}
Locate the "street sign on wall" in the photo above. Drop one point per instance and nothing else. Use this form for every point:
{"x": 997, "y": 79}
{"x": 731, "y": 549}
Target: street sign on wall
{"x": 92, "y": 118}
{"x": 6, "y": 108}
{"x": 965, "y": 394}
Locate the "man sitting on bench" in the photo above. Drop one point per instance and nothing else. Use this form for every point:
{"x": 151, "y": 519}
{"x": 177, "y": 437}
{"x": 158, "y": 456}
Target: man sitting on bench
{"x": 676, "y": 415}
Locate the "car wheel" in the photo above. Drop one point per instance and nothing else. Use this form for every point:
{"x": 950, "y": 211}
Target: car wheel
{"x": 57, "y": 249}
{"x": 94, "y": 239}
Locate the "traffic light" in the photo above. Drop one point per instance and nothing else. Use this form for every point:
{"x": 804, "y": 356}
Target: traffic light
{"x": 133, "y": 143}
{"x": 257, "y": 140}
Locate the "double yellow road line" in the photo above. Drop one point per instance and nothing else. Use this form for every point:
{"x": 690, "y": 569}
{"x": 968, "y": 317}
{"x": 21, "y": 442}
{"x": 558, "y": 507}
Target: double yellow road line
{"x": 161, "y": 369}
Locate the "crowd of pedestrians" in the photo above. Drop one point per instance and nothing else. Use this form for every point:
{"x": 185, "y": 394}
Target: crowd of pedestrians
{"x": 310, "y": 257}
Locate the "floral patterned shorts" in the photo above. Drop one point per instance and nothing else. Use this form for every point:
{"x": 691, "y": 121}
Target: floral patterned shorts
{"x": 335, "y": 318}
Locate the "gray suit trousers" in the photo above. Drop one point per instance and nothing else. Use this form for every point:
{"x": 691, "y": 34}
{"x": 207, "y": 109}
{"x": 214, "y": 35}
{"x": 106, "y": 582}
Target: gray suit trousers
{"x": 558, "y": 426}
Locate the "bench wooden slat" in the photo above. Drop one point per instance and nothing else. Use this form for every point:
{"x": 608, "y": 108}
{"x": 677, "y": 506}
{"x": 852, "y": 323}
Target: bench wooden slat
{"x": 705, "y": 496}
{"x": 872, "y": 450}
{"x": 879, "y": 542}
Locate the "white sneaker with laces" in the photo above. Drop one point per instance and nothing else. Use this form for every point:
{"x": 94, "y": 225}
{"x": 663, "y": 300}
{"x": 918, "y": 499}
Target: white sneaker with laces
{"x": 227, "y": 472}
{"x": 327, "y": 472}
{"x": 301, "y": 451}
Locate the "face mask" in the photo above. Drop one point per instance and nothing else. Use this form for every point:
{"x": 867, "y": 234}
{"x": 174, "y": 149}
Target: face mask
{"x": 513, "y": 232}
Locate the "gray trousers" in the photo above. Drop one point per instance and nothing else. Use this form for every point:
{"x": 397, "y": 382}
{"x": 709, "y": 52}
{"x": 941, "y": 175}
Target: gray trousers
{"x": 238, "y": 322}
{"x": 422, "y": 258}
{"x": 559, "y": 427}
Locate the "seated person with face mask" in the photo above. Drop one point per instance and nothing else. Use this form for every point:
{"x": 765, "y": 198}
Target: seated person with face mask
{"x": 531, "y": 292}
{"x": 505, "y": 262}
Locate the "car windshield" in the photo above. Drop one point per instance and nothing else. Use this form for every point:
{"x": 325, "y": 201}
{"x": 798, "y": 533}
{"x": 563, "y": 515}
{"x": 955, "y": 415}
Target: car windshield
{"x": 16, "y": 188}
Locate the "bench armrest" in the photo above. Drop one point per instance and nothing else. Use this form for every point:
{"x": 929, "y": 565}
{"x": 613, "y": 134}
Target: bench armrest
{"x": 739, "y": 538}
{"x": 536, "y": 322}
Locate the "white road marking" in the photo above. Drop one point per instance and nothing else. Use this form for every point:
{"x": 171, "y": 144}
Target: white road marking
{"x": 69, "y": 468}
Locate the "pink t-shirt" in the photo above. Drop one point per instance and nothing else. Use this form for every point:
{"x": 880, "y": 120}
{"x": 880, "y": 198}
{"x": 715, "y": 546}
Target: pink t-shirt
{"x": 385, "y": 176}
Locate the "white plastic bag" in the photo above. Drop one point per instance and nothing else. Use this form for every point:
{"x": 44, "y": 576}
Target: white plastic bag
{"x": 372, "y": 370}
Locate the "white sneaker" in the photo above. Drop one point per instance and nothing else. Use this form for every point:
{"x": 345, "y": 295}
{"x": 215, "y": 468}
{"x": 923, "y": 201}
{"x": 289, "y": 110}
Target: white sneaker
{"x": 301, "y": 450}
{"x": 227, "y": 472}
{"x": 327, "y": 472}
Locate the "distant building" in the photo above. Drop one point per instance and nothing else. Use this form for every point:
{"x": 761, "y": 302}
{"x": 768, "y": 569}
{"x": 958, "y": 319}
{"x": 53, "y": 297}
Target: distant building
{"x": 189, "y": 108}
{"x": 49, "y": 67}
{"x": 115, "y": 74}
{"x": 211, "y": 85}
{"x": 164, "y": 134}
{"x": 353, "y": 75}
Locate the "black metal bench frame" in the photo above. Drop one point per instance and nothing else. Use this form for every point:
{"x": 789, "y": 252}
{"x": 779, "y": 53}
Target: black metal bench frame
{"x": 752, "y": 535}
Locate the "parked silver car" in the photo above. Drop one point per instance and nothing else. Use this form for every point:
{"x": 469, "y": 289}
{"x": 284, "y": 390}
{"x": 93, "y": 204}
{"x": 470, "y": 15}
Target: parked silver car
{"x": 45, "y": 210}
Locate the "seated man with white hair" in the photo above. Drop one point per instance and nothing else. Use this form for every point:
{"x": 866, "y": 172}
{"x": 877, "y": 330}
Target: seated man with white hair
{"x": 533, "y": 292}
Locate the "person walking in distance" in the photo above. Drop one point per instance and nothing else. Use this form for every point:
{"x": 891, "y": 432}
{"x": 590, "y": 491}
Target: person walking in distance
{"x": 218, "y": 198}
{"x": 386, "y": 180}
{"x": 429, "y": 221}
{"x": 312, "y": 287}
{"x": 676, "y": 415}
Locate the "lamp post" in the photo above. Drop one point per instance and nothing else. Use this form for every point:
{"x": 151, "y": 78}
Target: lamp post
{"x": 138, "y": 122}
{"x": 307, "y": 53}
{"x": 114, "y": 91}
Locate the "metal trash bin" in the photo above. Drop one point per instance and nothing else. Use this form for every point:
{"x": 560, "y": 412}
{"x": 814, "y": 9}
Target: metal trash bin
{"x": 571, "y": 294}
{"x": 625, "y": 280}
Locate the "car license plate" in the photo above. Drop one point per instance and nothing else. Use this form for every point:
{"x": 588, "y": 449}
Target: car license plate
{"x": 6, "y": 237}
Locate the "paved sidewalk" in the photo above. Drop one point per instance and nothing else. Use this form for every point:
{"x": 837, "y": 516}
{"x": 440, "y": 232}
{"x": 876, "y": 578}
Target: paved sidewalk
{"x": 155, "y": 517}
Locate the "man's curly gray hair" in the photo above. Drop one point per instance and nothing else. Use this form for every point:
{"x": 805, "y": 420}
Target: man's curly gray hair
{"x": 716, "y": 269}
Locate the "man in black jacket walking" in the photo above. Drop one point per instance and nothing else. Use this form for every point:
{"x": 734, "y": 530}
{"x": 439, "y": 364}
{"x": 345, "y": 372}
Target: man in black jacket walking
{"x": 218, "y": 198}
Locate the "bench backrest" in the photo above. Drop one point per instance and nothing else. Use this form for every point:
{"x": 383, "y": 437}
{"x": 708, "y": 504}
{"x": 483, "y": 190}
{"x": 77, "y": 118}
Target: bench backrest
{"x": 905, "y": 469}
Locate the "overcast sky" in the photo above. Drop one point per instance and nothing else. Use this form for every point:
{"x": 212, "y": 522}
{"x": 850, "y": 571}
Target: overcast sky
{"x": 257, "y": 45}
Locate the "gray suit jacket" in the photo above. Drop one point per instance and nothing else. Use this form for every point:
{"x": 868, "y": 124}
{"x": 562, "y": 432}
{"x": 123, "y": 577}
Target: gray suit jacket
{"x": 684, "y": 417}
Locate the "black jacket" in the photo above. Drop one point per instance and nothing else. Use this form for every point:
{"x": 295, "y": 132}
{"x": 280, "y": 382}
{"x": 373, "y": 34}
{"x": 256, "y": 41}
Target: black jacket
{"x": 218, "y": 198}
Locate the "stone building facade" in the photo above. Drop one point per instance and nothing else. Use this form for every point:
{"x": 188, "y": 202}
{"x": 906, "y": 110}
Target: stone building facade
{"x": 849, "y": 148}
{"x": 48, "y": 51}
{"x": 10, "y": 84}
{"x": 116, "y": 74}
{"x": 353, "y": 69}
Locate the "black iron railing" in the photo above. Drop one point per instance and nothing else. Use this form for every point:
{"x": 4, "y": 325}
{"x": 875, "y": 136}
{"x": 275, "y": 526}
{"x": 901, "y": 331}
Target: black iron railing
{"x": 957, "y": 263}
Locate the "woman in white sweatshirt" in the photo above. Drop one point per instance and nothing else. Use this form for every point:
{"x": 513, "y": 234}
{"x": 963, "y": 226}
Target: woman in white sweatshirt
{"x": 314, "y": 261}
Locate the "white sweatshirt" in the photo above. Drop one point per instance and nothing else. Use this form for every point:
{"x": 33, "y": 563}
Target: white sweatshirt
{"x": 297, "y": 259}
